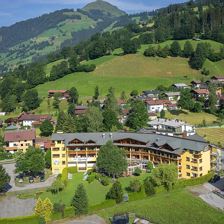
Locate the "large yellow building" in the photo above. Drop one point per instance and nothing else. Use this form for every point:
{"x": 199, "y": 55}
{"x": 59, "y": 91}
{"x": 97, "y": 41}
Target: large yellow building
{"x": 193, "y": 157}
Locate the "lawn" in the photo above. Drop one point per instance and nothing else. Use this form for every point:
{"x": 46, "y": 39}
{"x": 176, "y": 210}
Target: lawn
{"x": 125, "y": 73}
{"x": 96, "y": 191}
{"x": 178, "y": 206}
{"x": 215, "y": 68}
{"x": 213, "y": 135}
{"x": 192, "y": 118}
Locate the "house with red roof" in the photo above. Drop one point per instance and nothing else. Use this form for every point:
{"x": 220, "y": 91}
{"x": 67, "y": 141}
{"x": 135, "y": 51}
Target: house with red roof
{"x": 19, "y": 140}
{"x": 200, "y": 93}
{"x": 64, "y": 94}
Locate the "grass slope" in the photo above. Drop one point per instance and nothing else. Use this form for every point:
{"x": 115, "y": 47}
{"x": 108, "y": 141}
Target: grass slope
{"x": 213, "y": 135}
{"x": 192, "y": 118}
{"x": 215, "y": 68}
{"x": 179, "y": 207}
{"x": 125, "y": 73}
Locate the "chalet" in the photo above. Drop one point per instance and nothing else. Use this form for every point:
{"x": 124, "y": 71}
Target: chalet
{"x": 153, "y": 94}
{"x": 29, "y": 120}
{"x": 157, "y": 105}
{"x": 180, "y": 86}
{"x": 200, "y": 93}
{"x": 80, "y": 110}
{"x": 219, "y": 80}
{"x": 171, "y": 127}
{"x": 173, "y": 96}
{"x": 64, "y": 94}
{"x": 19, "y": 140}
{"x": 11, "y": 120}
{"x": 43, "y": 143}
{"x": 196, "y": 84}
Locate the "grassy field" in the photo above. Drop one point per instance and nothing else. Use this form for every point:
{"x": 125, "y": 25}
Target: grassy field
{"x": 215, "y": 68}
{"x": 213, "y": 135}
{"x": 96, "y": 191}
{"x": 125, "y": 73}
{"x": 193, "y": 118}
{"x": 179, "y": 207}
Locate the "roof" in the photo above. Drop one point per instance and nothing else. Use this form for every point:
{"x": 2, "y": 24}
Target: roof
{"x": 196, "y": 82}
{"x": 218, "y": 77}
{"x": 79, "y": 110}
{"x": 201, "y": 91}
{"x": 150, "y": 140}
{"x": 81, "y": 107}
{"x": 151, "y": 92}
{"x": 180, "y": 85}
{"x": 167, "y": 122}
{"x": 120, "y": 101}
{"x": 34, "y": 117}
{"x": 172, "y": 94}
{"x": 11, "y": 127}
{"x": 20, "y": 135}
{"x": 57, "y": 91}
{"x": 157, "y": 102}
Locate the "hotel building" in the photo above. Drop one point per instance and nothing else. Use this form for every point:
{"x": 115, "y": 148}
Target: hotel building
{"x": 193, "y": 158}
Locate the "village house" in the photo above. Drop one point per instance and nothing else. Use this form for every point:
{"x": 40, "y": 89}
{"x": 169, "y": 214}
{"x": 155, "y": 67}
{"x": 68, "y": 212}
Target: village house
{"x": 121, "y": 103}
{"x": 43, "y": 143}
{"x": 19, "y": 140}
{"x": 200, "y": 93}
{"x": 172, "y": 96}
{"x": 152, "y": 94}
{"x": 157, "y": 106}
{"x": 80, "y": 110}
{"x": 180, "y": 86}
{"x": 31, "y": 120}
{"x": 171, "y": 127}
{"x": 196, "y": 84}
{"x": 218, "y": 80}
{"x": 64, "y": 94}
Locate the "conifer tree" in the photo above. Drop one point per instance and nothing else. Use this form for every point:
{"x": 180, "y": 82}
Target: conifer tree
{"x": 115, "y": 192}
{"x": 48, "y": 208}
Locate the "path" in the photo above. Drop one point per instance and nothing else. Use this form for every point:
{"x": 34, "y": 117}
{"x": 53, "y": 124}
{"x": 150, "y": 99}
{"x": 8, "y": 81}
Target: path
{"x": 93, "y": 219}
{"x": 205, "y": 192}
{"x": 10, "y": 168}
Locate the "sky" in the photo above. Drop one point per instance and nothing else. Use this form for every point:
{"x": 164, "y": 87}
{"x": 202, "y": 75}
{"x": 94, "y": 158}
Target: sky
{"x": 12, "y": 11}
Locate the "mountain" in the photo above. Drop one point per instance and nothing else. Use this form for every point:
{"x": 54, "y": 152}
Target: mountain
{"x": 33, "y": 39}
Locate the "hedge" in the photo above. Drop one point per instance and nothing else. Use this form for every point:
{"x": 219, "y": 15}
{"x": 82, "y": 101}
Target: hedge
{"x": 20, "y": 220}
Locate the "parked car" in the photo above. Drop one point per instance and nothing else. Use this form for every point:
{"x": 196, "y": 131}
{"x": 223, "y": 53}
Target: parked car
{"x": 31, "y": 179}
{"x": 214, "y": 179}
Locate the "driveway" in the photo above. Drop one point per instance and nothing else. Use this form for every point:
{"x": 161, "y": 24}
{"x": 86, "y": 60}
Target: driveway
{"x": 10, "y": 168}
{"x": 11, "y": 206}
{"x": 205, "y": 192}
{"x": 93, "y": 219}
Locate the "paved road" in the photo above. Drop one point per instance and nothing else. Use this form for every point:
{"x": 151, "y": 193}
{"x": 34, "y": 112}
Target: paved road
{"x": 11, "y": 206}
{"x": 10, "y": 169}
{"x": 93, "y": 219}
{"x": 205, "y": 192}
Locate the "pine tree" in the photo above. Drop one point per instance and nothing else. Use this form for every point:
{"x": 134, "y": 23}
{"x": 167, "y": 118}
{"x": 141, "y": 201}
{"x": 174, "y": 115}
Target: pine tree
{"x": 96, "y": 93}
{"x": 115, "y": 192}
{"x": 175, "y": 49}
{"x": 39, "y": 208}
{"x": 80, "y": 201}
{"x": 60, "y": 121}
{"x": 188, "y": 49}
{"x": 4, "y": 178}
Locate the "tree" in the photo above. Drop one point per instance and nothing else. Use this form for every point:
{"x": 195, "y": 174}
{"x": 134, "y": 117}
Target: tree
{"x": 93, "y": 120}
{"x": 111, "y": 101}
{"x": 73, "y": 62}
{"x": 175, "y": 49}
{"x": 130, "y": 47}
{"x": 56, "y": 102}
{"x": 4, "y": 178}
{"x": 163, "y": 52}
{"x": 162, "y": 114}
{"x": 71, "y": 109}
{"x": 197, "y": 107}
{"x": 80, "y": 201}
{"x": 46, "y": 128}
{"x": 150, "y": 52}
{"x": 110, "y": 119}
{"x": 149, "y": 186}
{"x": 134, "y": 93}
{"x": 123, "y": 96}
{"x": 9, "y": 103}
{"x": 165, "y": 175}
{"x": 39, "y": 208}
{"x": 188, "y": 49}
{"x": 31, "y": 161}
{"x": 73, "y": 95}
{"x": 60, "y": 121}
{"x": 149, "y": 166}
{"x": 185, "y": 101}
{"x": 111, "y": 160}
{"x": 135, "y": 186}
{"x": 47, "y": 158}
{"x": 116, "y": 192}
{"x": 212, "y": 100}
{"x": 31, "y": 100}
{"x": 48, "y": 208}
{"x": 96, "y": 93}
{"x": 138, "y": 115}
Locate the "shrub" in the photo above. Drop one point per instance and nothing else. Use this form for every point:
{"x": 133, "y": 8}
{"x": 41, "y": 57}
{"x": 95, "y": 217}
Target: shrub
{"x": 115, "y": 192}
{"x": 86, "y": 68}
{"x": 135, "y": 186}
{"x": 137, "y": 172}
{"x": 20, "y": 220}
{"x": 105, "y": 181}
{"x": 91, "y": 177}
{"x": 149, "y": 186}
{"x": 60, "y": 208}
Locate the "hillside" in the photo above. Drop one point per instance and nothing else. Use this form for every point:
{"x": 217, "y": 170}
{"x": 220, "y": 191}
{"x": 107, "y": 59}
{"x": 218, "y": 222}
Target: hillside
{"x": 35, "y": 38}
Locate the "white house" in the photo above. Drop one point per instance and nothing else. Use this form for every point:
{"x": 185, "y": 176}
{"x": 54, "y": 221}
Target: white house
{"x": 171, "y": 127}
{"x": 173, "y": 96}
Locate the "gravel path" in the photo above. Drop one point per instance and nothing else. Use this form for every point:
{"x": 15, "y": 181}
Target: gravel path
{"x": 11, "y": 206}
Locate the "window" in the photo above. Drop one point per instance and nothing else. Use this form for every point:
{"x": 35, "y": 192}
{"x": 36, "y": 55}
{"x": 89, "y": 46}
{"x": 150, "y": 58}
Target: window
{"x": 63, "y": 155}
{"x": 56, "y": 156}
{"x": 200, "y": 168}
{"x": 21, "y": 144}
{"x": 188, "y": 167}
{"x": 63, "y": 162}
{"x": 59, "y": 142}
{"x": 200, "y": 161}
{"x": 188, "y": 159}
{"x": 188, "y": 174}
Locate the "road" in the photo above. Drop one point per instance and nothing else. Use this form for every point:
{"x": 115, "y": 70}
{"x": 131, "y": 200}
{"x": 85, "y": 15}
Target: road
{"x": 10, "y": 169}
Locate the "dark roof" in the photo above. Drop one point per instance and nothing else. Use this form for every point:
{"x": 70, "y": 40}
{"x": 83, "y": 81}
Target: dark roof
{"x": 19, "y": 135}
{"x": 150, "y": 139}
{"x": 34, "y": 117}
